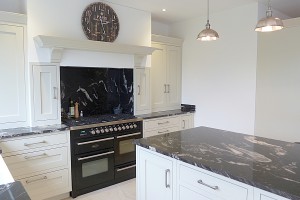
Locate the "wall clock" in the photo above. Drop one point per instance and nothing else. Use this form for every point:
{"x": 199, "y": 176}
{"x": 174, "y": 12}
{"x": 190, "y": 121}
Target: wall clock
{"x": 100, "y": 22}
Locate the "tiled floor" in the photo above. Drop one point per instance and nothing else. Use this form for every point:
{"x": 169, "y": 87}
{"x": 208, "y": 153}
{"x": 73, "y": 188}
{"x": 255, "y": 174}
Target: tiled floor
{"x": 121, "y": 191}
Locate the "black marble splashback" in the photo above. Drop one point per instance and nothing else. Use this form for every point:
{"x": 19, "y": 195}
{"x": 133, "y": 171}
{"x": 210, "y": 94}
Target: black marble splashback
{"x": 97, "y": 90}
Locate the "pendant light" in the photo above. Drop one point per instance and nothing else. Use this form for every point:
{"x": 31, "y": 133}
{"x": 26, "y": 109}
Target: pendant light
{"x": 269, "y": 23}
{"x": 208, "y": 34}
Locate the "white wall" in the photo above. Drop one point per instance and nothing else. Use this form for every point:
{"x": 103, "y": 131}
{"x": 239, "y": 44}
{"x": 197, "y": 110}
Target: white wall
{"x": 63, "y": 19}
{"x": 159, "y": 28}
{"x": 220, "y": 76}
{"x": 15, "y": 6}
{"x": 278, "y": 84}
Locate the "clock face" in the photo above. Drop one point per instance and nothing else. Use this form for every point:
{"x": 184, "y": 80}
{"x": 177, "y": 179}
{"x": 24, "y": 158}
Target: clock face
{"x": 100, "y": 22}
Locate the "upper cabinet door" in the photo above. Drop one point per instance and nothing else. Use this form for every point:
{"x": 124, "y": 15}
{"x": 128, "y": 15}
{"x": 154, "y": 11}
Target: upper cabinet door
{"x": 45, "y": 94}
{"x": 12, "y": 76}
{"x": 142, "y": 90}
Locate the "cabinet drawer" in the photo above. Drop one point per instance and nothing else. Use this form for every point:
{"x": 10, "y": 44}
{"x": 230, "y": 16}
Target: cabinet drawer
{"x": 27, "y": 143}
{"x": 32, "y": 162}
{"x": 161, "y": 123}
{"x": 210, "y": 184}
{"x": 47, "y": 185}
{"x": 161, "y": 131}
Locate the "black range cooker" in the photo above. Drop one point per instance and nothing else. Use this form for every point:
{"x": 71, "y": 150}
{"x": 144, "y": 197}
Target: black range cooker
{"x": 102, "y": 151}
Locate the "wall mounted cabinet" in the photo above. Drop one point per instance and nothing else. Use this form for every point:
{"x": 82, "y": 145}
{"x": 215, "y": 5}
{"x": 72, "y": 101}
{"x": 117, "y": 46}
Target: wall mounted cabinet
{"x": 45, "y": 94}
{"x": 13, "y": 110}
{"x": 142, "y": 90}
{"x": 166, "y": 73}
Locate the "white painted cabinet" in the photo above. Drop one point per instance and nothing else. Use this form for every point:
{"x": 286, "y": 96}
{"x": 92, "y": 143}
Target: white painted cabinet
{"x": 45, "y": 94}
{"x": 166, "y": 73}
{"x": 187, "y": 121}
{"x": 155, "y": 180}
{"x": 264, "y": 195}
{"x": 41, "y": 163}
{"x": 13, "y": 112}
{"x": 142, "y": 90}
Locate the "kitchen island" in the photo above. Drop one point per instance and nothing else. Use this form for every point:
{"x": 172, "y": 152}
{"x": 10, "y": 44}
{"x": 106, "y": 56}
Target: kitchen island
{"x": 211, "y": 164}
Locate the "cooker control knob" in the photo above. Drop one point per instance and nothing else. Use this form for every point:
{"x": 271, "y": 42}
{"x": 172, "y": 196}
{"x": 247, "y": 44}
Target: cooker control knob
{"x": 127, "y": 127}
{"x": 119, "y": 128}
{"x": 115, "y": 129}
{"x": 106, "y": 130}
{"x": 92, "y": 132}
{"x": 123, "y": 127}
{"x": 102, "y": 130}
{"x": 134, "y": 125}
{"x": 111, "y": 129}
{"x": 131, "y": 127}
{"x": 97, "y": 131}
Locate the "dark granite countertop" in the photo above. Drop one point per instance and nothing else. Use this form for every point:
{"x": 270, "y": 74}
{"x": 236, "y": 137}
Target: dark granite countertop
{"x": 163, "y": 114}
{"x": 267, "y": 164}
{"x": 25, "y": 131}
{"x": 13, "y": 191}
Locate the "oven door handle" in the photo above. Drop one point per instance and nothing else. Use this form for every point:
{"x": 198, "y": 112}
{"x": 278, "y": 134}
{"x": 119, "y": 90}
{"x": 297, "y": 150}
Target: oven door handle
{"x": 94, "y": 141}
{"x": 95, "y": 156}
{"x": 129, "y": 135}
{"x": 125, "y": 168}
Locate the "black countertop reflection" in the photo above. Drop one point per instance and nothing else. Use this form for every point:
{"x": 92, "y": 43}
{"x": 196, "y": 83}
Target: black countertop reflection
{"x": 164, "y": 114}
{"x": 268, "y": 164}
{"x": 13, "y": 191}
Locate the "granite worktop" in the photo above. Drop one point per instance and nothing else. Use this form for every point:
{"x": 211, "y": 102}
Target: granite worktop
{"x": 267, "y": 164}
{"x": 26, "y": 131}
{"x": 164, "y": 114}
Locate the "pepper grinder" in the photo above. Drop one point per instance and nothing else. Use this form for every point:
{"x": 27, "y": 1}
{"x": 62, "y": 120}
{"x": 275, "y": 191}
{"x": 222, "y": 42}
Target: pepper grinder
{"x": 76, "y": 111}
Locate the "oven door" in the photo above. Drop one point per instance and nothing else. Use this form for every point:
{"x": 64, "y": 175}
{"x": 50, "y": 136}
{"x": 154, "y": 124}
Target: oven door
{"x": 94, "y": 168}
{"x": 125, "y": 149}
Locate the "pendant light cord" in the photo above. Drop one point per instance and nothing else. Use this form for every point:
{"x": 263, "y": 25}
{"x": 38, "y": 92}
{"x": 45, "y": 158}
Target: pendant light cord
{"x": 207, "y": 24}
{"x": 269, "y": 10}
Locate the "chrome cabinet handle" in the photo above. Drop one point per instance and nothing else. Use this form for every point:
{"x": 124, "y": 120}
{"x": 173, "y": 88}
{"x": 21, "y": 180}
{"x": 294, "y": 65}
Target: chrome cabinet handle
{"x": 167, "y": 131}
{"x": 29, "y": 144}
{"x": 95, "y": 156}
{"x": 168, "y": 88}
{"x": 94, "y": 141}
{"x": 212, "y": 187}
{"x": 33, "y": 157}
{"x": 166, "y": 178}
{"x": 35, "y": 180}
{"x": 54, "y": 92}
{"x": 165, "y": 85}
{"x": 161, "y": 123}
{"x": 139, "y": 90}
{"x": 183, "y": 124}
{"x": 125, "y": 168}
{"x": 128, "y": 135}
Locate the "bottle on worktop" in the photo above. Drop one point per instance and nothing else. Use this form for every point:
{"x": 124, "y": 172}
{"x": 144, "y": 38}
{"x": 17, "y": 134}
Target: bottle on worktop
{"x": 72, "y": 109}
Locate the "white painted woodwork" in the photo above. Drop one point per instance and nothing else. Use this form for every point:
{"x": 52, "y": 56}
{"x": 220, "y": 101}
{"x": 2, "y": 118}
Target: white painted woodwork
{"x": 45, "y": 94}
{"x": 42, "y": 163}
{"x": 155, "y": 177}
{"x": 58, "y": 44}
{"x": 5, "y": 175}
{"x": 160, "y": 131}
{"x": 187, "y": 193}
{"x": 32, "y": 143}
{"x": 260, "y": 194}
{"x": 166, "y": 73}
{"x": 142, "y": 90}
{"x": 47, "y": 185}
{"x": 12, "y": 77}
{"x": 187, "y": 121}
{"x": 161, "y": 122}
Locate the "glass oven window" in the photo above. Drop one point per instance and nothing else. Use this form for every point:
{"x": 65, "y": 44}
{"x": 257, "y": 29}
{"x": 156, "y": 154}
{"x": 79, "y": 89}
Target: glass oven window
{"x": 94, "y": 167}
{"x": 126, "y": 146}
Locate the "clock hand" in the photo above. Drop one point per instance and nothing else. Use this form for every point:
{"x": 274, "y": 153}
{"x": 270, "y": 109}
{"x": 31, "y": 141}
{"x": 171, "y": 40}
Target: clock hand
{"x": 102, "y": 26}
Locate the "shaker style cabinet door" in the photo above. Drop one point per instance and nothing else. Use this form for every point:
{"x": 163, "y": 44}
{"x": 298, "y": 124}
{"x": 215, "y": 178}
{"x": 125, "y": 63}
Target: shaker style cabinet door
{"x": 142, "y": 90}
{"x": 154, "y": 178}
{"x": 12, "y": 76}
{"x": 45, "y": 94}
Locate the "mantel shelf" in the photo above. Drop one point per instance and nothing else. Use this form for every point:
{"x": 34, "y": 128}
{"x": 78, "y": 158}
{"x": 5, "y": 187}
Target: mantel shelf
{"x": 59, "y": 44}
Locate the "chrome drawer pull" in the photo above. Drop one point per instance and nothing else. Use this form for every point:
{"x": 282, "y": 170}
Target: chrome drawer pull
{"x": 161, "y": 123}
{"x": 166, "y": 178}
{"x": 139, "y": 90}
{"x": 29, "y": 144}
{"x": 167, "y": 131}
{"x": 125, "y": 168}
{"x": 212, "y": 187}
{"x": 33, "y": 157}
{"x": 94, "y": 141}
{"x": 35, "y": 180}
{"x": 95, "y": 156}
{"x": 54, "y": 93}
{"x": 129, "y": 135}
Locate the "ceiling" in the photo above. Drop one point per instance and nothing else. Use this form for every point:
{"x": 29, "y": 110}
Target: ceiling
{"x": 178, "y": 10}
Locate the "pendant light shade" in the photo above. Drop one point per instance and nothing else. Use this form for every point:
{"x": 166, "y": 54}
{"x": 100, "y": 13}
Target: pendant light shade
{"x": 208, "y": 34}
{"x": 269, "y": 23}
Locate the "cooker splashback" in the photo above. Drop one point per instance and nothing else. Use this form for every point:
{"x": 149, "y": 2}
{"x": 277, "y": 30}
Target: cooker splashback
{"x": 97, "y": 90}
